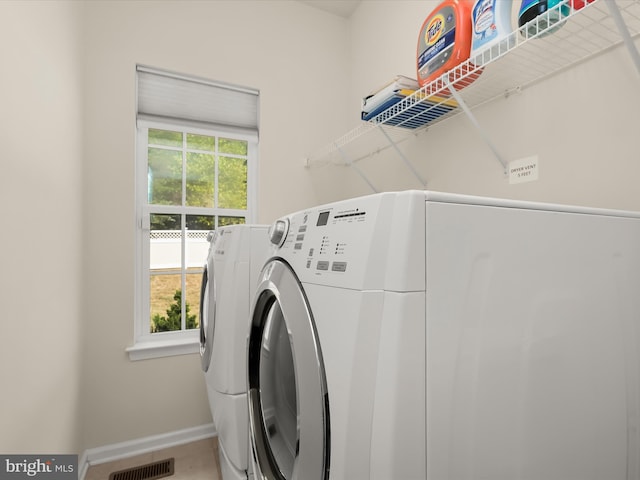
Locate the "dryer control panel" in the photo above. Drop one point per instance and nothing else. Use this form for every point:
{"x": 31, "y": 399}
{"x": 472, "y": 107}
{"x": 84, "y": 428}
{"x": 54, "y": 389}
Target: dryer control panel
{"x": 351, "y": 243}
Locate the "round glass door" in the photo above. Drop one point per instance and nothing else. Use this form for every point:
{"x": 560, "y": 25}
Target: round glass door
{"x": 278, "y": 405}
{"x": 288, "y": 401}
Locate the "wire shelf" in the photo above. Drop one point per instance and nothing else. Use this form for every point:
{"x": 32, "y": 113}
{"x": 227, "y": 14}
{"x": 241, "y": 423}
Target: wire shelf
{"x": 537, "y": 50}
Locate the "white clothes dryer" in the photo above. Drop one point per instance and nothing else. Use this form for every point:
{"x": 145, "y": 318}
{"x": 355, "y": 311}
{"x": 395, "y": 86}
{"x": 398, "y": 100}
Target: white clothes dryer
{"x": 421, "y": 335}
{"x": 237, "y": 253}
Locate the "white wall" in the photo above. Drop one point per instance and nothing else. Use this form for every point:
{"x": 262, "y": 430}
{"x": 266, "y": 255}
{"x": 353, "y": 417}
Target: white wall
{"x": 40, "y": 254}
{"x": 582, "y": 124}
{"x": 295, "y": 56}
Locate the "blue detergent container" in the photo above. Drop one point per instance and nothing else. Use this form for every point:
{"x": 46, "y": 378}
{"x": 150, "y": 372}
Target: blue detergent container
{"x": 547, "y": 13}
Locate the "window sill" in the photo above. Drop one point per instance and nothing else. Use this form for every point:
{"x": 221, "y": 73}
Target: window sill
{"x": 164, "y": 347}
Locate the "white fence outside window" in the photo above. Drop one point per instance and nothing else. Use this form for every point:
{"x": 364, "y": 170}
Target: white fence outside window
{"x": 165, "y": 249}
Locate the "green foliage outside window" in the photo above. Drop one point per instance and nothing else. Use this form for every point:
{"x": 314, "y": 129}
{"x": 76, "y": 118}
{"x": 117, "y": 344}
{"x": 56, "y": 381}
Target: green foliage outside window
{"x": 173, "y": 320}
{"x": 166, "y": 176}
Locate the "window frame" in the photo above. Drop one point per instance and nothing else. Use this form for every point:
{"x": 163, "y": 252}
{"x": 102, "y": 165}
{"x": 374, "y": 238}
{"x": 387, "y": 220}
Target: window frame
{"x": 153, "y": 345}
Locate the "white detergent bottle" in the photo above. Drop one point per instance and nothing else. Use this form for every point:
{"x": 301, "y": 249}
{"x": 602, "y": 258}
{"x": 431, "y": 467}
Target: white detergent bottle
{"x": 491, "y": 29}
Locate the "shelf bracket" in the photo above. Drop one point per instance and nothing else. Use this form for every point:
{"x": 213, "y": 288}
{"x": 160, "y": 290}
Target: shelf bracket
{"x": 474, "y": 121}
{"x": 403, "y": 156}
{"x": 350, "y": 163}
{"x": 624, "y": 32}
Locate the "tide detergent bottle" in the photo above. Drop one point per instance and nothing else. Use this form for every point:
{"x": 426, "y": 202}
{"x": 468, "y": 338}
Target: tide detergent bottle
{"x": 445, "y": 42}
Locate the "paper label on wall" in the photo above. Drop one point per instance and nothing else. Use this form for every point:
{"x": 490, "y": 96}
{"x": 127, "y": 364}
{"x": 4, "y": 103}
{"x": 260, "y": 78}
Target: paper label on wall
{"x": 523, "y": 170}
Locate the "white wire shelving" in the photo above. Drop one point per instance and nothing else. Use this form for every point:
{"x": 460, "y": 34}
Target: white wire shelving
{"x": 531, "y": 53}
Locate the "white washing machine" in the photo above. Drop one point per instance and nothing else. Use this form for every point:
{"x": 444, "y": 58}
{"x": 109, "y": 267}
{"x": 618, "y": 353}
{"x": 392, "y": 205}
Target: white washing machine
{"x": 315, "y": 338}
{"x": 420, "y": 335}
{"x": 237, "y": 253}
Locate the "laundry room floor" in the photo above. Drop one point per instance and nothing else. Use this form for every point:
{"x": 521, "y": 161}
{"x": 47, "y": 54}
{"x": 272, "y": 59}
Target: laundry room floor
{"x": 193, "y": 461}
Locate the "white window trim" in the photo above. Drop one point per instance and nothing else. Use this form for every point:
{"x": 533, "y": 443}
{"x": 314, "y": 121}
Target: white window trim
{"x": 145, "y": 344}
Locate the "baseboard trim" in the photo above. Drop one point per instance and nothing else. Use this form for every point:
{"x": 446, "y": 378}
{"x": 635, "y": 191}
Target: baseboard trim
{"x": 131, "y": 448}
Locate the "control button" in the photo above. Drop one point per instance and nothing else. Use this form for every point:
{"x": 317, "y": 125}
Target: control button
{"x": 308, "y": 263}
{"x": 299, "y": 238}
{"x": 298, "y": 246}
{"x": 278, "y": 231}
{"x": 339, "y": 267}
{"x": 302, "y": 228}
{"x": 322, "y": 265}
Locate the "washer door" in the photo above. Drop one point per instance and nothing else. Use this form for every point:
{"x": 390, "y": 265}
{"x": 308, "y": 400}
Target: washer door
{"x": 288, "y": 401}
{"x": 207, "y": 316}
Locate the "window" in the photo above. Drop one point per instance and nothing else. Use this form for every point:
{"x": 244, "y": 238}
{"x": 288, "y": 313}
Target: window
{"x": 191, "y": 177}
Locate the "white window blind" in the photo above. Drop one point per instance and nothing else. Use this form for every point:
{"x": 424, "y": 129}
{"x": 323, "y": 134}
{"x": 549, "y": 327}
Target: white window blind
{"x": 170, "y": 96}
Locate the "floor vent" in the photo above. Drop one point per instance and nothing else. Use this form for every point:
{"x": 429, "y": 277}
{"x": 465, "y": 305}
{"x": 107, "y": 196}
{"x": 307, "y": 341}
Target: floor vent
{"x": 150, "y": 471}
